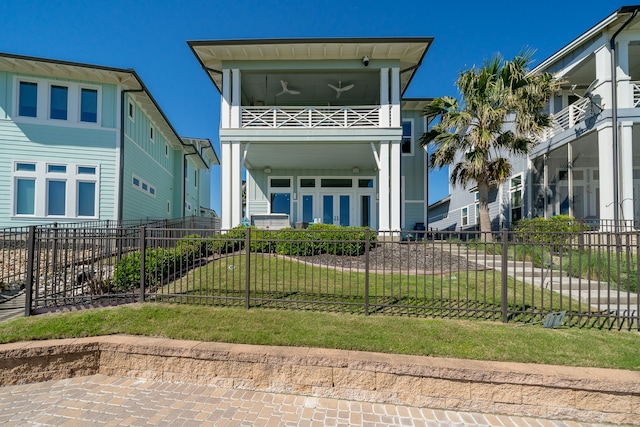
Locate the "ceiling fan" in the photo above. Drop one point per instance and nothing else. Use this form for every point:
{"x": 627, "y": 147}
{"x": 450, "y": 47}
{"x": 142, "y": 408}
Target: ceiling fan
{"x": 285, "y": 89}
{"x": 340, "y": 89}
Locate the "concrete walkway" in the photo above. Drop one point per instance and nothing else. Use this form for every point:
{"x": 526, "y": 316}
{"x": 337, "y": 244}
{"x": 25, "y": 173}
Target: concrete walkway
{"x": 114, "y": 401}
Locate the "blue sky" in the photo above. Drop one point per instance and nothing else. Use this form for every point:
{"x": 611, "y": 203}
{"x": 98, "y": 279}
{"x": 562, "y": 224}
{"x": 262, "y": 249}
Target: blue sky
{"x": 150, "y": 36}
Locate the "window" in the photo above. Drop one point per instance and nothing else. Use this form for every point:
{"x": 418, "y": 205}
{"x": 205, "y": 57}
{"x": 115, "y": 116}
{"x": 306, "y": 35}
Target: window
{"x": 88, "y": 105}
{"x": 280, "y": 195}
{"x": 28, "y": 99}
{"x": 166, "y": 150}
{"x": 58, "y": 102}
{"x": 465, "y": 216}
{"x": 365, "y": 183}
{"x": 516, "y": 198}
{"x": 25, "y": 196}
{"x": 131, "y": 111}
{"x": 151, "y": 133}
{"x": 86, "y": 199}
{"x": 168, "y": 207}
{"x": 407, "y": 137}
{"x": 336, "y": 183}
{"x": 58, "y": 190}
{"x": 307, "y": 183}
{"x": 143, "y": 186}
{"x": 477, "y": 198}
{"x": 195, "y": 178}
{"x": 56, "y": 197}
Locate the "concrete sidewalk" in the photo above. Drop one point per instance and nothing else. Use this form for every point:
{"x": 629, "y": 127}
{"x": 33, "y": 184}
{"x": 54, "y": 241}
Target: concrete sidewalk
{"x": 111, "y": 401}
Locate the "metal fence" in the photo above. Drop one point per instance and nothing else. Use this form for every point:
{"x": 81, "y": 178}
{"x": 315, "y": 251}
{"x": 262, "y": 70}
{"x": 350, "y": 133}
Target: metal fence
{"x": 589, "y": 276}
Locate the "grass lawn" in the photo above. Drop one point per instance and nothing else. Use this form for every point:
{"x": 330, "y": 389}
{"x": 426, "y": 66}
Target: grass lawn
{"x": 470, "y": 339}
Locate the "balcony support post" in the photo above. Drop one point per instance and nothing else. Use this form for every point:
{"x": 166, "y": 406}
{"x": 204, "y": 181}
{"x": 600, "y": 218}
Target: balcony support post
{"x": 383, "y": 187}
{"x": 384, "y": 98}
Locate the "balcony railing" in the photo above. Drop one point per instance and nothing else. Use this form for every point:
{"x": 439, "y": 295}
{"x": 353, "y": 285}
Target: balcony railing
{"x": 567, "y": 118}
{"x": 310, "y": 117}
{"x": 636, "y": 94}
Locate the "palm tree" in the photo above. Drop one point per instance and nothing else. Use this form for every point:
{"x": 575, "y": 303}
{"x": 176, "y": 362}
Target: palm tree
{"x": 500, "y": 115}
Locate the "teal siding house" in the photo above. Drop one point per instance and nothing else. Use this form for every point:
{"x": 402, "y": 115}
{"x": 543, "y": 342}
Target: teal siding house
{"x": 321, "y": 129}
{"x": 82, "y": 142}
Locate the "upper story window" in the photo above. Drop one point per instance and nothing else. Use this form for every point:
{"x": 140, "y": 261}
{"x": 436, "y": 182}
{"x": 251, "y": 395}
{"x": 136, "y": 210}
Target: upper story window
{"x": 407, "y": 137}
{"x": 88, "y": 105}
{"x": 151, "y": 133}
{"x": 131, "y": 111}
{"x": 28, "y": 99}
{"x": 58, "y": 102}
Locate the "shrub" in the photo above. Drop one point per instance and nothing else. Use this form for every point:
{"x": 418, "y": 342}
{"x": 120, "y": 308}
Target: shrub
{"x": 233, "y": 240}
{"x": 556, "y": 231}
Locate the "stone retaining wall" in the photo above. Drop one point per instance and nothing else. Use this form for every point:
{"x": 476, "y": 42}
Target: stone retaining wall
{"x": 583, "y": 394}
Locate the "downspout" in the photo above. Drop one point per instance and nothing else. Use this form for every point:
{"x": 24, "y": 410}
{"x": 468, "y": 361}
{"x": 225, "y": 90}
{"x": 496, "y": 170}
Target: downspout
{"x": 123, "y": 112}
{"x": 614, "y": 122}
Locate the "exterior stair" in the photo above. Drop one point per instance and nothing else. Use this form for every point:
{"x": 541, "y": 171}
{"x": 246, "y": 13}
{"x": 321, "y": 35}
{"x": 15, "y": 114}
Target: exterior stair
{"x": 600, "y": 296}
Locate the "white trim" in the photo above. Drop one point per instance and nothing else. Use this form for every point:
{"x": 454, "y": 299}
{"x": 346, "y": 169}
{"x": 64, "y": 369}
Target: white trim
{"x": 141, "y": 184}
{"x": 280, "y": 190}
{"x": 131, "y": 110}
{"x": 42, "y": 177}
{"x": 151, "y": 134}
{"x": 43, "y": 102}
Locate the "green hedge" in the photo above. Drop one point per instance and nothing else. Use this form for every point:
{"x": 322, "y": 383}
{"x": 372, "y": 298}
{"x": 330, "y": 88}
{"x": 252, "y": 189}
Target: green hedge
{"x": 162, "y": 263}
{"x": 556, "y": 231}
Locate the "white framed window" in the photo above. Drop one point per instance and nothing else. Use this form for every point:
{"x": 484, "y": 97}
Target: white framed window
{"x": 144, "y": 186}
{"x": 27, "y": 98}
{"x": 57, "y": 102}
{"x": 407, "y": 138}
{"x": 515, "y": 197}
{"x": 131, "y": 109}
{"x": 465, "y": 216}
{"x": 280, "y": 191}
{"x": 55, "y": 190}
{"x": 477, "y": 206}
{"x": 89, "y": 106}
{"x": 195, "y": 178}
{"x": 168, "y": 207}
{"x": 151, "y": 134}
{"x": 166, "y": 150}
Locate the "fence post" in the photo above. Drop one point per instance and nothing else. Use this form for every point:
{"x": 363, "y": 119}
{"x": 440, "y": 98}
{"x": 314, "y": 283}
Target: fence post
{"x": 366, "y": 271}
{"x": 143, "y": 250}
{"x": 247, "y": 267}
{"x": 31, "y": 256}
{"x": 504, "y": 261}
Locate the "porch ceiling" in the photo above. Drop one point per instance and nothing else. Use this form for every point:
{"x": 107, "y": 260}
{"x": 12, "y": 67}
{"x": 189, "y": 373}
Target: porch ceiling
{"x": 409, "y": 51}
{"x": 339, "y": 155}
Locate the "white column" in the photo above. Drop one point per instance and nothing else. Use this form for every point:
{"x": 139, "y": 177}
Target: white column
{"x": 383, "y": 187}
{"x": 225, "y": 100}
{"x": 395, "y": 97}
{"x": 394, "y": 193}
{"x": 225, "y": 185}
{"x": 384, "y": 98}
{"x": 603, "y": 74}
{"x": 605, "y": 165}
{"x": 235, "y": 99}
{"x": 625, "y": 142}
{"x": 236, "y": 184}
{"x": 625, "y": 91}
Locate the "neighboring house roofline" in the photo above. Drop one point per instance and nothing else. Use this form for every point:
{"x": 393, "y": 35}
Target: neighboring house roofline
{"x": 578, "y": 41}
{"x": 413, "y": 51}
{"x": 415, "y": 104}
{"x": 439, "y": 202}
{"x": 90, "y": 72}
{"x": 207, "y": 148}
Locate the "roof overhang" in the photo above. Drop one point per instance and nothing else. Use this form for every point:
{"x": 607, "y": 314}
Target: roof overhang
{"x": 125, "y": 78}
{"x": 415, "y": 104}
{"x": 207, "y": 151}
{"x": 609, "y": 21}
{"x": 410, "y": 51}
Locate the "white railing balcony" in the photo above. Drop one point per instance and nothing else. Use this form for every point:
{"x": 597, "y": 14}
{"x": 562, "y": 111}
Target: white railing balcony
{"x": 636, "y": 94}
{"x": 310, "y": 117}
{"x": 566, "y": 118}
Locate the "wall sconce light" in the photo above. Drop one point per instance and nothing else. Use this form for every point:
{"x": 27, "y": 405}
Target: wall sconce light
{"x": 355, "y": 170}
{"x": 267, "y": 170}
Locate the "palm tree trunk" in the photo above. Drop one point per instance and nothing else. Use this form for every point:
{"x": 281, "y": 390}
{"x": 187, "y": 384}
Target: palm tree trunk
{"x": 485, "y": 220}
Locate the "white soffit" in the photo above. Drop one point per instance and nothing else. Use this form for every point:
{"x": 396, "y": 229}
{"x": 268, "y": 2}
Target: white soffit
{"x": 409, "y": 51}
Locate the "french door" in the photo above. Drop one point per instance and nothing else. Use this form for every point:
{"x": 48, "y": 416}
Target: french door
{"x": 336, "y": 209}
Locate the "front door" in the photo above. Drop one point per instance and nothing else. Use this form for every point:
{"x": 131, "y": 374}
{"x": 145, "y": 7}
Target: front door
{"x": 336, "y": 209}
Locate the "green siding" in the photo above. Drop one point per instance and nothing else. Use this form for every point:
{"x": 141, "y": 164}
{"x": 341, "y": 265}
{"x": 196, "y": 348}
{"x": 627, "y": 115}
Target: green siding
{"x": 6, "y": 91}
{"x": 413, "y": 167}
{"x": 36, "y": 142}
{"x": 413, "y": 212}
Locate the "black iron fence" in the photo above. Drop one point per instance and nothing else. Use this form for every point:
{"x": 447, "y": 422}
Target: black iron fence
{"x": 588, "y": 277}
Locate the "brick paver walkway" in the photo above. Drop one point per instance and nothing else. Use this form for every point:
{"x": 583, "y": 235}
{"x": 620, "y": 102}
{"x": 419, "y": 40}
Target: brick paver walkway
{"x": 110, "y": 401}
